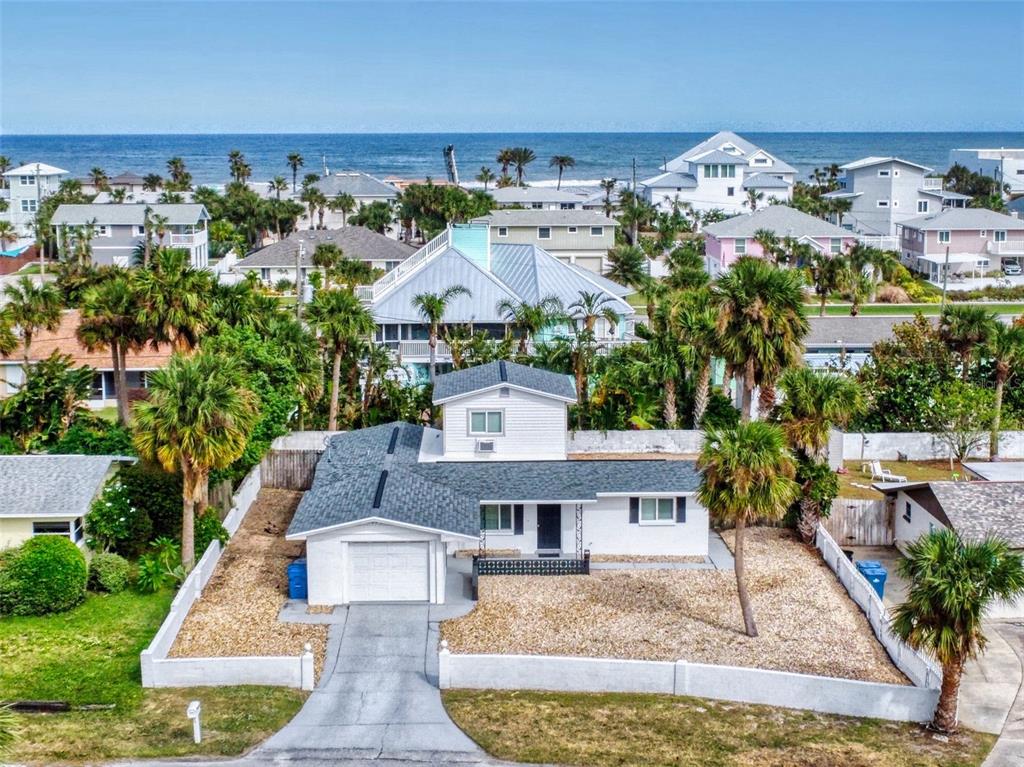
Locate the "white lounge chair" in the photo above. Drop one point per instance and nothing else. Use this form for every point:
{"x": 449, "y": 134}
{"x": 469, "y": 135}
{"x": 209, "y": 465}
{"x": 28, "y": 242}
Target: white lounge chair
{"x": 877, "y": 472}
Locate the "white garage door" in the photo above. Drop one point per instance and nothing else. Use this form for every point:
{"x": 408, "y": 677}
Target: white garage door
{"x": 388, "y": 572}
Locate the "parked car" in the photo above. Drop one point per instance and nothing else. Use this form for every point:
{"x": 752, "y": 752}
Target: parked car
{"x": 1012, "y": 269}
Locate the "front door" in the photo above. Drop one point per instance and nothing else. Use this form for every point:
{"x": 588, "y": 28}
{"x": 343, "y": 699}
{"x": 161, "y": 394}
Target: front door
{"x": 549, "y": 527}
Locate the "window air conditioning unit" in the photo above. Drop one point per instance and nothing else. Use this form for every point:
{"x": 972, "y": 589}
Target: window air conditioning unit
{"x": 485, "y": 445}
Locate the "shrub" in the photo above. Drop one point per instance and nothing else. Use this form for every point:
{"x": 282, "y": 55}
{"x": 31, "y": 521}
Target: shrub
{"x": 160, "y": 566}
{"x": 158, "y": 494}
{"x": 892, "y": 294}
{"x": 109, "y": 572}
{"x": 209, "y": 529}
{"x": 96, "y": 437}
{"x": 115, "y": 524}
{"x": 46, "y": 575}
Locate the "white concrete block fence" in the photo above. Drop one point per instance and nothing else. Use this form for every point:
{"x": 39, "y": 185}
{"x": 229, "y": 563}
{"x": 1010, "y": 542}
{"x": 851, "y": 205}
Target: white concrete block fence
{"x": 828, "y": 695}
{"x": 160, "y": 671}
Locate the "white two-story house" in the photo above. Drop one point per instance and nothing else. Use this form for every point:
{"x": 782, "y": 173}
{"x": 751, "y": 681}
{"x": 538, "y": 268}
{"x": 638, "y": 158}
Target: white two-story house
{"x": 390, "y": 504}
{"x": 718, "y": 173}
{"x": 27, "y": 186}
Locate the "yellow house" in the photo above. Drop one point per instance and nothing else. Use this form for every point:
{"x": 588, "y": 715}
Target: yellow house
{"x": 50, "y": 494}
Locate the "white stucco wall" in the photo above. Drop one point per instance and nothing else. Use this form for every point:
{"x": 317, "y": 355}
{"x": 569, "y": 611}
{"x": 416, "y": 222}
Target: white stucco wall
{"x": 534, "y": 427}
{"x": 921, "y": 521}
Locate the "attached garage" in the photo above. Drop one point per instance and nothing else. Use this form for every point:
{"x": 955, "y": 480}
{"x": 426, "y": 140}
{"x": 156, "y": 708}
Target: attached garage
{"x": 389, "y": 572}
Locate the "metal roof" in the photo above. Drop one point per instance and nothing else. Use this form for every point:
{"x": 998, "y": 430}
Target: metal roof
{"x": 459, "y": 383}
{"x": 524, "y": 194}
{"x": 127, "y": 214}
{"x": 356, "y": 242}
{"x": 671, "y": 180}
{"x": 51, "y": 485}
{"x": 781, "y": 219}
{"x": 867, "y": 162}
{"x": 34, "y": 168}
{"x": 717, "y": 142}
{"x": 764, "y": 181}
{"x": 963, "y": 218}
{"x": 529, "y": 217}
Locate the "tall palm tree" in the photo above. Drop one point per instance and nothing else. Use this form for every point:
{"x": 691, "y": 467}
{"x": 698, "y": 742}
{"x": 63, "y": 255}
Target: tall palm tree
{"x": 119, "y": 195}
{"x": 5, "y": 165}
{"x": 147, "y": 236}
{"x": 313, "y": 198}
{"x": 521, "y": 157}
{"x": 828, "y": 274}
{"x": 8, "y": 234}
{"x": 180, "y": 177}
{"x": 159, "y": 225}
{"x": 110, "y": 320}
{"x": 276, "y": 185}
{"x": 529, "y": 319}
{"x": 327, "y": 256}
{"x": 608, "y": 187}
{"x": 175, "y": 300}
{"x": 344, "y": 203}
{"x": 31, "y": 308}
{"x": 341, "y": 321}
{"x": 693, "y": 320}
{"x": 754, "y": 197}
{"x": 627, "y": 265}
{"x": 485, "y": 176}
{"x": 746, "y": 475}
{"x": 770, "y": 244}
{"x": 964, "y": 329}
{"x": 952, "y": 582}
{"x": 761, "y": 325}
{"x": 197, "y": 417}
{"x": 432, "y": 307}
{"x": 151, "y": 182}
{"x": 295, "y": 162}
{"x": 1005, "y": 346}
{"x": 814, "y": 403}
{"x": 99, "y": 179}
{"x": 505, "y": 158}
{"x": 588, "y": 308}
{"x": 561, "y": 161}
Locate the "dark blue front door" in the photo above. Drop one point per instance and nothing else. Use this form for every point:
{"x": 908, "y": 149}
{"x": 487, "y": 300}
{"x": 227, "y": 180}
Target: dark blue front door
{"x": 549, "y": 526}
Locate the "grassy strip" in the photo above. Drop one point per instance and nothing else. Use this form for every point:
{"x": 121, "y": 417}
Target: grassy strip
{"x": 914, "y": 471}
{"x": 600, "y": 730}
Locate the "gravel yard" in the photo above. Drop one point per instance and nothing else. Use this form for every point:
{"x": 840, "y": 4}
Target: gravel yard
{"x": 237, "y": 614}
{"x": 806, "y": 621}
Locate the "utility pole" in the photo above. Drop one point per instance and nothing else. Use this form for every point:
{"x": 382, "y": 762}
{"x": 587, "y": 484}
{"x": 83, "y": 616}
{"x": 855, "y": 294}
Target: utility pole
{"x": 39, "y": 232}
{"x": 945, "y": 280}
{"x": 300, "y": 252}
{"x": 636, "y": 219}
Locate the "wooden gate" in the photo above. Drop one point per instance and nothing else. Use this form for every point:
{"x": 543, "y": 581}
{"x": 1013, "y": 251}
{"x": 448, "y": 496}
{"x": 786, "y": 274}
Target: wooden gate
{"x": 859, "y": 522}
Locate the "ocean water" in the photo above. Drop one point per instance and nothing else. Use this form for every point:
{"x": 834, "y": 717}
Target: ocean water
{"x": 418, "y": 155}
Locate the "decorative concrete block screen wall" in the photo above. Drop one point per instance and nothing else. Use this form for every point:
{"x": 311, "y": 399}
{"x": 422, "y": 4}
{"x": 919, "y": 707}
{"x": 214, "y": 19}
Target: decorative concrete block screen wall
{"x": 685, "y": 441}
{"x": 919, "y": 446}
{"x": 160, "y": 671}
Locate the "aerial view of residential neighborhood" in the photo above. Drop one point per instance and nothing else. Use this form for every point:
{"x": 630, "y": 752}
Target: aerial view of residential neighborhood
{"x": 582, "y": 383}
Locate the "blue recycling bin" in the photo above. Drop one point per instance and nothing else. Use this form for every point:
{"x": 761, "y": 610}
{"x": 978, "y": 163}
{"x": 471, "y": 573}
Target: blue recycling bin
{"x": 870, "y": 564}
{"x": 297, "y": 583}
{"x": 876, "y": 576}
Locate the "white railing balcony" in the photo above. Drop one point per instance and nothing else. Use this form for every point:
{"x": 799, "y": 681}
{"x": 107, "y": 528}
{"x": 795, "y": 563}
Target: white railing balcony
{"x": 410, "y": 264}
{"x": 182, "y": 240}
{"x": 1006, "y": 247}
{"x": 419, "y": 351}
{"x": 364, "y": 292}
{"x": 932, "y": 183}
{"x": 882, "y": 242}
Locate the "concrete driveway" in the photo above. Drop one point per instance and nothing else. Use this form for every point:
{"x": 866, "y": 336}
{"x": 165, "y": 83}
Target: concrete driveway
{"x": 1009, "y": 749}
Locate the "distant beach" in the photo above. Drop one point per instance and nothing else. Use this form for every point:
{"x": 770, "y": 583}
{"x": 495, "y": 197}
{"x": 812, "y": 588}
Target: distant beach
{"x": 418, "y": 155}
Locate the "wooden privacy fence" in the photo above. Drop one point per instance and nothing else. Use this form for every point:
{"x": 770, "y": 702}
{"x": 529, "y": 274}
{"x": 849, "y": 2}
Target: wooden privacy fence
{"x": 860, "y": 522}
{"x": 289, "y": 469}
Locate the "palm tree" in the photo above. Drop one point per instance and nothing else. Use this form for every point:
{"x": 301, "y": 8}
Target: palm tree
{"x": 952, "y": 582}
{"x": 110, "y": 320}
{"x": 1006, "y": 348}
{"x": 769, "y": 242}
{"x": 98, "y": 178}
{"x": 119, "y": 195}
{"x": 529, "y": 319}
{"x": 5, "y": 165}
{"x": 8, "y": 234}
{"x": 590, "y": 307}
{"x": 431, "y": 307}
{"x": 151, "y": 182}
{"x": 561, "y": 161}
{"x": 159, "y": 225}
{"x": 505, "y": 158}
{"x": 295, "y": 162}
{"x": 147, "y": 236}
{"x": 376, "y": 216}
{"x": 485, "y": 176}
{"x": 31, "y": 308}
{"x": 693, "y": 320}
{"x": 608, "y": 187}
{"x": 180, "y": 177}
{"x": 175, "y": 300}
{"x": 828, "y": 274}
{"x": 276, "y": 185}
{"x": 327, "y": 256}
{"x": 197, "y": 417}
{"x": 747, "y": 475}
{"x": 627, "y": 265}
{"x": 753, "y": 198}
{"x": 341, "y": 321}
{"x": 313, "y": 198}
{"x": 760, "y": 323}
{"x": 344, "y": 203}
{"x": 965, "y": 328}
{"x": 521, "y": 157}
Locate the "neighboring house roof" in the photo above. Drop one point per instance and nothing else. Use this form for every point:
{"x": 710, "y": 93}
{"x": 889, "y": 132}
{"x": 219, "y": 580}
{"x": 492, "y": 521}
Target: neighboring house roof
{"x": 126, "y": 178}
{"x": 745, "y": 150}
{"x": 376, "y": 473}
{"x": 963, "y": 218}
{"x": 717, "y": 156}
{"x": 1001, "y": 471}
{"x": 512, "y": 217}
{"x": 137, "y": 197}
{"x": 945, "y": 194}
{"x": 781, "y": 219}
{"x": 764, "y": 181}
{"x": 526, "y": 194}
{"x": 34, "y": 168}
{"x": 671, "y": 180}
{"x": 974, "y": 509}
{"x": 459, "y": 383}
{"x": 356, "y": 242}
{"x": 603, "y": 282}
{"x": 533, "y": 274}
{"x": 356, "y": 184}
{"x": 867, "y": 162}
{"x": 853, "y": 332}
{"x": 64, "y": 341}
{"x": 51, "y": 485}
{"x": 128, "y": 214}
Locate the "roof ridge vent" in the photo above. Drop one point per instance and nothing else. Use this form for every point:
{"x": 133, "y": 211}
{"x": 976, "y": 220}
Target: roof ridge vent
{"x": 502, "y": 372}
{"x": 379, "y": 495}
{"x": 394, "y": 439}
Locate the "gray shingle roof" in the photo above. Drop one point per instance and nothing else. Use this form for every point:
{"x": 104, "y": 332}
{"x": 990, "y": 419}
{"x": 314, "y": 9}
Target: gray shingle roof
{"x": 861, "y": 331}
{"x": 764, "y": 181}
{"x": 51, "y": 485}
{"x": 356, "y": 242}
{"x": 964, "y": 218}
{"x": 128, "y": 214}
{"x": 526, "y": 194}
{"x": 529, "y": 217}
{"x": 356, "y": 184}
{"x": 781, "y": 219}
{"x": 671, "y": 180}
{"x": 978, "y": 509}
{"x": 460, "y": 382}
{"x": 447, "y": 496}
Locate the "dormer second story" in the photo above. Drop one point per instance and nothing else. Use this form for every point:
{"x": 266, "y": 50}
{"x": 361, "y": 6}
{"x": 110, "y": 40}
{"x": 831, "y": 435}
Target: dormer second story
{"x": 501, "y": 411}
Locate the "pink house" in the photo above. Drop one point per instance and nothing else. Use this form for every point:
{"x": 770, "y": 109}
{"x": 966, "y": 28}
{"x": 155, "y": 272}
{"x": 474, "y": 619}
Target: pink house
{"x": 977, "y": 241}
{"x": 728, "y": 240}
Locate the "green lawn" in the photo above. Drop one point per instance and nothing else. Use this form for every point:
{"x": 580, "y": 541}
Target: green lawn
{"x": 851, "y": 484}
{"x": 911, "y": 309}
{"x": 601, "y": 730}
{"x": 90, "y": 656}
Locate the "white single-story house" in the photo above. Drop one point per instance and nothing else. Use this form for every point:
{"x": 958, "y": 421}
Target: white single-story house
{"x": 389, "y": 504}
{"x": 50, "y": 494}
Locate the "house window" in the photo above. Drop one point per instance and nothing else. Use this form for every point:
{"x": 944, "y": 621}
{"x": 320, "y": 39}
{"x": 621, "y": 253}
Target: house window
{"x": 485, "y": 421}
{"x": 707, "y": 171}
{"x": 72, "y": 530}
{"x": 503, "y": 231}
{"x": 496, "y": 517}
{"x": 982, "y": 233}
{"x": 567, "y": 206}
{"x": 140, "y": 231}
{"x": 102, "y": 231}
{"x": 760, "y": 161}
{"x": 730, "y": 191}
{"x": 835, "y": 245}
{"x": 29, "y": 206}
{"x": 883, "y": 173}
{"x": 922, "y": 206}
{"x": 944, "y": 237}
{"x": 1000, "y": 236}
{"x": 655, "y": 510}
{"x": 537, "y": 205}
{"x": 543, "y": 232}
{"x": 728, "y": 171}
{"x": 906, "y": 512}
{"x": 597, "y": 231}
{"x": 27, "y": 180}
{"x": 741, "y": 246}
{"x": 265, "y": 274}
{"x": 896, "y": 173}
{"x": 572, "y": 230}
{"x": 882, "y": 203}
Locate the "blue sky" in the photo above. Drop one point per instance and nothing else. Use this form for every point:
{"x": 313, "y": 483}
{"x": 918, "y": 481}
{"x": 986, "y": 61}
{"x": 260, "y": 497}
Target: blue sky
{"x": 93, "y": 67}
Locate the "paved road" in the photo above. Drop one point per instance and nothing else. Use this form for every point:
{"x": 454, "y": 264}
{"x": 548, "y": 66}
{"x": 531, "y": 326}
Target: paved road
{"x": 1009, "y": 749}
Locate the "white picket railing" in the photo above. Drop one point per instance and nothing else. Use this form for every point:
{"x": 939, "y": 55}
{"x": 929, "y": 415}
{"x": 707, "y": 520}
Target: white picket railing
{"x": 1006, "y": 247}
{"x": 372, "y": 292}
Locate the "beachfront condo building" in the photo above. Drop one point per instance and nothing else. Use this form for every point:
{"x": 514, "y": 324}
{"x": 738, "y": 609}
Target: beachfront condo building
{"x": 26, "y": 188}
{"x": 719, "y": 173}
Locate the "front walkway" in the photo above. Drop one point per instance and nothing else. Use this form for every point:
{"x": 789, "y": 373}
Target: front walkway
{"x": 1009, "y": 749}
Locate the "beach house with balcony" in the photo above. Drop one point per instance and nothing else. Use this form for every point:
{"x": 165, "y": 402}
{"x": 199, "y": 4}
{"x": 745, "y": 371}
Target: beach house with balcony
{"x": 493, "y": 272}
{"x": 390, "y": 505}
{"x": 27, "y": 186}
{"x": 977, "y": 241}
{"x": 717, "y": 174}
{"x": 884, "y": 191}
{"x": 574, "y": 236}
{"x": 115, "y": 231}
{"x": 726, "y": 241}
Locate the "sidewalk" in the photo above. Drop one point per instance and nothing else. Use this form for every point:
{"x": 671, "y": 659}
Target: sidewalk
{"x": 1009, "y": 749}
